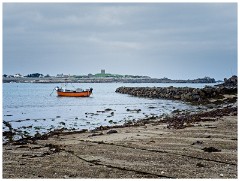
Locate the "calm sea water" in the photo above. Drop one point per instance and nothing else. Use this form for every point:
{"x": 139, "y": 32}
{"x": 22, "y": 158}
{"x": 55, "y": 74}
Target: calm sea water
{"x": 30, "y": 108}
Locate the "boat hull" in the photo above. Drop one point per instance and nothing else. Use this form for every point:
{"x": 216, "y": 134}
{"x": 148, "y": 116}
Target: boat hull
{"x": 74, "y": 94}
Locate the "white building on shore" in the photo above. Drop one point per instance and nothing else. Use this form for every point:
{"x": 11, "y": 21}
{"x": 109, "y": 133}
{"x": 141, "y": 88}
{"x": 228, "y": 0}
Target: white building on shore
{"x": 18, "y": 75}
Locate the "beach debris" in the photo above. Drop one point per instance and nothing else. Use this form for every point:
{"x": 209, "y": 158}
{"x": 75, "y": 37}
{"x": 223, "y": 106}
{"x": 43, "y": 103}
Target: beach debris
{"x": 53, "y": 148}
{"x": 199, "y": 164}
{"x": 112, "y": 131}
{"x": 95, "y": 134}
{"x": 182, "y": 121}
{"x": 210, "y": 126}
{"x": 37, "y": 135}
{"x": 211, "y": 149}
{"x": 197, "y": 143}
{"x": 58, "y": 116}
{"x": 9, "y": 134}
{"x": 23, "y": 146}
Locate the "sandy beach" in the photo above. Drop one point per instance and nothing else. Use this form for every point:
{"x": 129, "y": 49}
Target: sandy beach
{"x": 201, "y": 149}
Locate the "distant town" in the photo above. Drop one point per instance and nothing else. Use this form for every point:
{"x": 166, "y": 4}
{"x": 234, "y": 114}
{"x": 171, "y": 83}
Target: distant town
{"x": 101, "y": 77}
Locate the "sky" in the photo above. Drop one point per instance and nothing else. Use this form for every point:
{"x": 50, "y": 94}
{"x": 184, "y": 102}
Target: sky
{"x": 173, "y": 40}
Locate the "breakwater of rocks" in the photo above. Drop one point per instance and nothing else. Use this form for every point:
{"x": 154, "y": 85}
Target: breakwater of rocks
{"x": 186, "y": 94}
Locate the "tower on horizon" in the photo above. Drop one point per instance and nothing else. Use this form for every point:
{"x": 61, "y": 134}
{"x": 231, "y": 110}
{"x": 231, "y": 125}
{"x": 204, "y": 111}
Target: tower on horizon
{"x": 103, "y": 71}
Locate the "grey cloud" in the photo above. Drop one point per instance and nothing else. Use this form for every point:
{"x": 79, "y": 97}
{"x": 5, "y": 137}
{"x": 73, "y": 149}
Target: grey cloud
{"x": 133, "y": 34}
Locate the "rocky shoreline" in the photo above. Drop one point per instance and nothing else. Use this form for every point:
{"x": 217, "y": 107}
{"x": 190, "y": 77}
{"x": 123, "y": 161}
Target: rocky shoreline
{"x": 186, "y": 94}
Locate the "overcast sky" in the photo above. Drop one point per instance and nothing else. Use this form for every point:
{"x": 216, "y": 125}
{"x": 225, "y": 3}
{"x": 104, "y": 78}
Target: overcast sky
{"x": 178, "y": 41}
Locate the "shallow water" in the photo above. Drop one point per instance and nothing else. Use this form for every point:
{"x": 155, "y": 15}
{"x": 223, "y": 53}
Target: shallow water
{"x": 30, "y": 108}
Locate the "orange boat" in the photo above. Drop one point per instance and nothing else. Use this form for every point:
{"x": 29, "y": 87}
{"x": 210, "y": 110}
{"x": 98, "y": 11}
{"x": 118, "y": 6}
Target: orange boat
{"x": 73, "y": 93}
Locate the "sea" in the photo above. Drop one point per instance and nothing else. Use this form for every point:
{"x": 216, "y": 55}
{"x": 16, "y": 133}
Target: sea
{"x": 33, "y": 108}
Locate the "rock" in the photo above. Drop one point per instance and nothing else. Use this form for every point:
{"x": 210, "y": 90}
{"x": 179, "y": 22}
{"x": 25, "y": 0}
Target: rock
{"x": 231, "y": 82}
{"x": 176, "y": 111}
{"x": 134, "y": 110}
{"x": 62, "y": 123}
{"x": 211, "y": 106}
{"x": 200, "y": 165}
{"x": 211, "y": 149}
{"x": 151, "y": 107}
{"x": 112, "y": 131}
{"x": 177, "y": 97}
{"x": 83, "y": 131}
{"x": 108, "y": 109}
{"x": 197, "y": 142}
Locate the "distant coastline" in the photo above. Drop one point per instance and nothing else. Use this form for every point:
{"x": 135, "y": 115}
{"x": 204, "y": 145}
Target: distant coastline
{"x": 102, "y": 80}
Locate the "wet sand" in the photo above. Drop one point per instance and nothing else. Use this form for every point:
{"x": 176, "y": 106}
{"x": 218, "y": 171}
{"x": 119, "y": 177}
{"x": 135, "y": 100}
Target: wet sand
{"x": 202, "y": 149}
